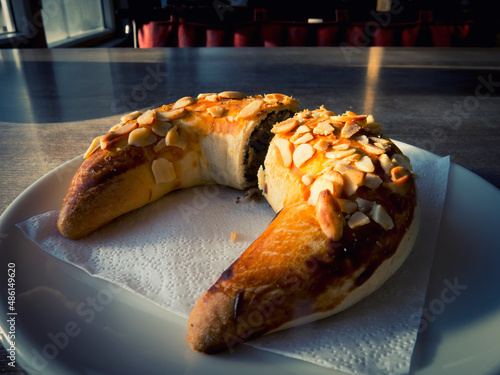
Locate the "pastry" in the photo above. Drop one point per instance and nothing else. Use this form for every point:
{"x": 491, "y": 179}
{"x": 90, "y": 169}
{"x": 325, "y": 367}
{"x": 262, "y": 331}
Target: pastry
{"x": 214, "y": 138}
{"x": 347, "y": 218}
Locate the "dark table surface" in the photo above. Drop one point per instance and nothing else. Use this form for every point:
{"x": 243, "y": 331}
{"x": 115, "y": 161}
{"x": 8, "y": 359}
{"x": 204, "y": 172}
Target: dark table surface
{"x": 54, "y": 102}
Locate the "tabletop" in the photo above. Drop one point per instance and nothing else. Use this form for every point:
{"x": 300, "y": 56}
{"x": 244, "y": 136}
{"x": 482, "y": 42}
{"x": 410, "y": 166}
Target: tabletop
{"x": 53, "y": 102}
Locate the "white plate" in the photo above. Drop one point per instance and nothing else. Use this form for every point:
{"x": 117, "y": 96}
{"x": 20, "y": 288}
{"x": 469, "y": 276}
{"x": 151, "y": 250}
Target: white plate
{"x": 71, "y": 323}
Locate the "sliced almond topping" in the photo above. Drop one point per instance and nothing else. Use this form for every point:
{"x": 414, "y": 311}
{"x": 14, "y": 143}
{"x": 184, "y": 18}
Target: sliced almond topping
{"x": 127, "y": 128}
{"x": 317, "y": 187}
{"x": 337, "y": 179}
{"x": 372, "y": 150}
{"x": 329, "y": 216}
{"x": 204, "y": 95}
{"x": 216, "y": 111}
{"x": 115, "y": 127}
{"x": 372, "y": 181}
{"x": 323, "y": 128}
{"x": 141, "y": 137}
{"x": 322, "y": 145}
{"x": 340, "y": 154}
{"x": 212, "y": 98}
{"x": 398, "y": 172}
{"x": 160, "y": 145}
{"x": 285, "y": 148}
{"x": 400, "y": 186}
{"x": 285, "y": 126}
{"x": 308, "y": 179}
{"x": 184, "y": 102}
{"x": 251, "y": 109}
{"x": 130, "y": 116}
{"x": 365, "y": 164}
{"x": 380, "y": 216}
{"x": 303, "y": 129}
{"x": 163, "y": 171}
{"x": 341, "y": 147}
{"x": 364, "y": 205}
{"x": 147, "y": 118}
{"x": 350, "y": 128}
{"x": 161, "y": 128}
{"x": 174, "y": 139}
{"x": 346, "y": 117}
{"x": 173, "y": 114}
{"x": 385, "y": 163}
{"x": 302, "y": 154}
{"x": 303, "y": 139}
{"x": 380, "y": 140}
{"x": 352, "y": 180}
{"x": 357, "y": 219}
{"x": 96, "y": 143}
{"x": 362, "y": 139}
{"x": 384, "y": 146}
{"x": 402, "y": 160}
{"x": 347, "y": 206}
{"x": 232, "y": 95}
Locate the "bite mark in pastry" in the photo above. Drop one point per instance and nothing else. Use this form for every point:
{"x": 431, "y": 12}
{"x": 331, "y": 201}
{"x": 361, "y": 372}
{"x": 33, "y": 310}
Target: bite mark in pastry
{"x": 347, "y": 219}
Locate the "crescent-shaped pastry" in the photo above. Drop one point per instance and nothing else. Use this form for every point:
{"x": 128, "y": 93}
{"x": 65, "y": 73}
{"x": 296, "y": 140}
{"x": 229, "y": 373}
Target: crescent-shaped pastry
{"x": 214, "y": 138}
{"x": 347, "y": 219}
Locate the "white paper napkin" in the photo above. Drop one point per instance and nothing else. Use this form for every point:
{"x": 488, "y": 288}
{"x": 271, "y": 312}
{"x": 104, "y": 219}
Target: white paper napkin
{"x": 172, "y": 250}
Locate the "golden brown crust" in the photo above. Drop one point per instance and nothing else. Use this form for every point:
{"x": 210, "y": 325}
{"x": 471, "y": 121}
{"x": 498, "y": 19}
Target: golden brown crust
{"x": 191, "y": 142}
{"x": 347, "y": 220}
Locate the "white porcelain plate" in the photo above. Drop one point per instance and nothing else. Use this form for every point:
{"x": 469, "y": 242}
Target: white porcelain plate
{"x": 68, "y": 322}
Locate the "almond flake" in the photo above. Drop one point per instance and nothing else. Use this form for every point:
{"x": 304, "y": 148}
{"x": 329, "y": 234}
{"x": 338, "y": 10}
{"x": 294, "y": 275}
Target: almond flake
{"x": 357, "y": 219}
{"x": 302, "y": 154}
{"x": 317, "y": 187}
{"x": 323, "y": 128}
{"x": 141, "y": 137}
{"x": 130, "y": 116}
{"x": 174, "y": 139}
{"x": 204, "y": 95}
{"x": 381, "y": 217}
{"x": 173, "y": 114}
{"x": 340, "y": 154}
{"x": 322, "y": 145}
{"x": 350, "y": 128}
{"x": 261, "y": 178}
{"x": 352, "y": 180}
{"x": 232, "y": 95}
{"x": 364, "y": 205}
{"x": 212, "y": 98}
{"x": 362, "y": 139}
{"x": 184, "y": 102}
{"x": 402, "y": 160}
{"x": 380, "y": 140}
{"x": 372, "y": 181}
{"x": 163, "y": 171}
{"x": 285, "y": 149}
{"x": 285, "y": 126}
{"x": 160, "y": 145}
{"x": 372, "y": 150}
{"x": 161, "y": 128}
{"x": 96, "y": 143}
{"x": 303, "y": 139}
{"x": 329, "y": 217}
{"x": 341, "y": 147}
{"x": 303, "y": 129}
{"x": 216, "y": 111}
{"x": 347, "y": 206}
{"x": 147, "y": 118}
{"x": 308, "y": 179}
{"x": 385, "y": 163}
{"x": 365, "y": 164}
{"x": 251, "y": 109}
{"x": 398, "y": 172}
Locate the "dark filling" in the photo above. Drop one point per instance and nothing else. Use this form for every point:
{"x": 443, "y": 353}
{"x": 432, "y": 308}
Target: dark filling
{"x": 259, "y": 143}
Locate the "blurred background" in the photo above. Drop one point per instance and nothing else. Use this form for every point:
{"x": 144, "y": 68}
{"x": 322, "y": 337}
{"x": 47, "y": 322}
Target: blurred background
{"x": 240, "y": 23}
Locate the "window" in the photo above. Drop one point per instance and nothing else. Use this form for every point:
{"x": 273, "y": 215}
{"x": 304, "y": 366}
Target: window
{"x": 6, "y": 23}
{"x": 68, "y": 21}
